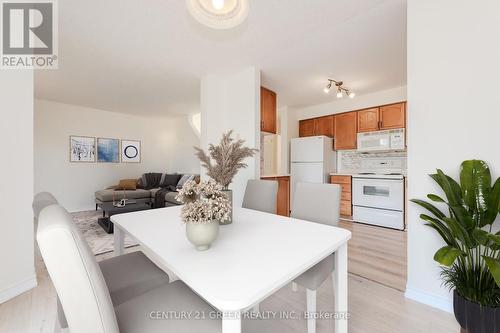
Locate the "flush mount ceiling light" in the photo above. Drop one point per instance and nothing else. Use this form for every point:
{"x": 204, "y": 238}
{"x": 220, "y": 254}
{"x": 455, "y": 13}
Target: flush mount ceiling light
{"x": 219, "y": 14}
{"x": 339, "y": 88}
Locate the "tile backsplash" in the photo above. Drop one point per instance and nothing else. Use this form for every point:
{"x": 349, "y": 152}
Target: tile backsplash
{"x": 381, "y": 162}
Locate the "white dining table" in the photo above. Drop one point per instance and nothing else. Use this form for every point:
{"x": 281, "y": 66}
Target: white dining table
{"x": 251, "y": 259}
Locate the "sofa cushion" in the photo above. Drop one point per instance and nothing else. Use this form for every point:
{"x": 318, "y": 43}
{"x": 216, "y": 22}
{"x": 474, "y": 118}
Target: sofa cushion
{"x": 107, "y": 195}
{"x": 170, "y": 180}
{"x": 170, "y": 197}
{"x": 150, "y": 180}
{"x": 153, "y": 191}
{"x": 184, "y": 179}
{"x": 127, "y": 184}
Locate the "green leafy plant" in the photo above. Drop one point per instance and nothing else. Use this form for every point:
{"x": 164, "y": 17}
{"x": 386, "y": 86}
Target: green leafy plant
{"x": 471, "y": 256}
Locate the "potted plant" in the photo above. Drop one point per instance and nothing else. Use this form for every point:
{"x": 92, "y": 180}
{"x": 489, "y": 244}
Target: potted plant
{"x": 471, "y": 257}
{"x": 228, "y": 157}
{"x": 205, "y": 206}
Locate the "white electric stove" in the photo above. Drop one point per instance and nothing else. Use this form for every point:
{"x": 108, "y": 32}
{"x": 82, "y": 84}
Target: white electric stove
{"x": 378, "y": 199}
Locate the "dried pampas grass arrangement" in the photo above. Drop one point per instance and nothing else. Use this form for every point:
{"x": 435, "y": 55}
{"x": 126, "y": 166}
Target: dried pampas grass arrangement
{"x": 228, "y": 157}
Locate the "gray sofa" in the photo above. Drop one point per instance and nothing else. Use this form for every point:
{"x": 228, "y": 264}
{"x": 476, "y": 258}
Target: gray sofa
{"x": 140, "y": 195}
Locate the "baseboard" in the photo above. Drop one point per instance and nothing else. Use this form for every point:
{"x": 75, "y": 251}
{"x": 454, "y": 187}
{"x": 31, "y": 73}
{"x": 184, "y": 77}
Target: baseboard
{"x": 17, "y": 289}
{"x": 439, "y": 302}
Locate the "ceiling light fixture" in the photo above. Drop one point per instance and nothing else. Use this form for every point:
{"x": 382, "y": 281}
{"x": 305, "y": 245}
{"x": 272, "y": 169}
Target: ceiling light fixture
{"x": 218, "y": 4}
{"x": 341, "y": 90}
{"x": 219, "y": 14}
{"x": 339, "y": 93}
{"x": 327, "y": 88}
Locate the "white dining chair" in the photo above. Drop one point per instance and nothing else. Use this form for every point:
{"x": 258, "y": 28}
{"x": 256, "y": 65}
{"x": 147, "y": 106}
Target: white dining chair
{"x": 261, "y": 195}
{"x": 319, "y": 203}
{"x": 42, "y": 200}
{"x": 126, "y": 276}
{"x": 88, "y": 301}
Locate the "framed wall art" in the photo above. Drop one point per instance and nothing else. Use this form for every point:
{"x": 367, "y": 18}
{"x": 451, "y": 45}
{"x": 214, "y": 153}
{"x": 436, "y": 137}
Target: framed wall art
{"x": 82, "y": 149}
{"x": 108, "y": 150}
{"x": 131, "y": 151}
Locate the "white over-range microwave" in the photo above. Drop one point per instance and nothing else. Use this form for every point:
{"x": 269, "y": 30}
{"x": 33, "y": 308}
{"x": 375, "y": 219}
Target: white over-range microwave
{"x": 382, "y": 140}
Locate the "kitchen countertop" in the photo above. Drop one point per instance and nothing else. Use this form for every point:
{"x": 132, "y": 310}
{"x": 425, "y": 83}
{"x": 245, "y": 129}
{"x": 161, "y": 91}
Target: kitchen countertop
{"x": 376, "y": 175}
{"x": 274, "y": 176}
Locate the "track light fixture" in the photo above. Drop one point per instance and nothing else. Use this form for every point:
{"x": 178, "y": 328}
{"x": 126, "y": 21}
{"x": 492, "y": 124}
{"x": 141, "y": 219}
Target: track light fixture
{"x": 341, "y": 90}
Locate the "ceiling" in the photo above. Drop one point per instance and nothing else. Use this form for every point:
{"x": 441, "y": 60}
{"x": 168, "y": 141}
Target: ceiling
{"x": 147, "y": 57}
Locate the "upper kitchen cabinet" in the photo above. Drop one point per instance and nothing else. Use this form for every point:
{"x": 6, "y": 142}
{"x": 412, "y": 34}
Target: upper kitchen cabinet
{"x": 346, "y": 131}
{"x": 392, "y": 116}
{"x": 306, "y": 127}
{"x": 267, "y": 110}
{"x": 317, "y": 126}
{"x": 368, "y": 120}
{"x": 324, "y": 126}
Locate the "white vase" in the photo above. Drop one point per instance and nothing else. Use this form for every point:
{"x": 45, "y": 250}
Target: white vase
{"x": 202, "y": 235}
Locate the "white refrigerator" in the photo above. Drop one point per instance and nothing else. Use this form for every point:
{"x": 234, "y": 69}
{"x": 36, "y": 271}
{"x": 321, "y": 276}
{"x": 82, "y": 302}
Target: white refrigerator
{"x": 312, "y": 160}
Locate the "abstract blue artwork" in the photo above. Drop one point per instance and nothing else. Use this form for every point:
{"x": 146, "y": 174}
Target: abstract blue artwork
{"x": 108, "y": 150}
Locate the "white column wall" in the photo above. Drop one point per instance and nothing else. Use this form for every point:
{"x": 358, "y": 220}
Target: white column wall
{"x": 232, "y": 102}
{"x": 453, "y": 100}
{"x": 17, "y": 268}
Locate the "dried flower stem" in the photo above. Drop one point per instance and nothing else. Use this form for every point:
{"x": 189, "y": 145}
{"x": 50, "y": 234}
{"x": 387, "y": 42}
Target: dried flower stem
{"x": 228, "y": 157}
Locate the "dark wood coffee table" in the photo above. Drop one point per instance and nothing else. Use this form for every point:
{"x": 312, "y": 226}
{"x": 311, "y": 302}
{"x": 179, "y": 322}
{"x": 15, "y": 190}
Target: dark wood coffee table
{"x": 108, "y": 210}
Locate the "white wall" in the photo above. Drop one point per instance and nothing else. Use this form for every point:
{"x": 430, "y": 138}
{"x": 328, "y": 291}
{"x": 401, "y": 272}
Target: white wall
{"x": 17, "y": 270}
{"x": 232, "y": 101}
{"x": 453, "y": 70}
{"x": 166, "y": 145}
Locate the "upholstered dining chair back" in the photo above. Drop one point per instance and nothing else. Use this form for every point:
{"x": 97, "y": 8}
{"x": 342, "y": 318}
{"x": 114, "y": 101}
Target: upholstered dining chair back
{"x": 75, "y": 273}
{"x": 318, "y": 203}
{"x": 42, "y": 200}
{"x": 261, "y": 195}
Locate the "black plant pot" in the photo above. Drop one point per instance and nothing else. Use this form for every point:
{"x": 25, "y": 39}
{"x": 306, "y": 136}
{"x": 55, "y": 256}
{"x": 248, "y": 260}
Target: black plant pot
{"x": 474, "y": 318}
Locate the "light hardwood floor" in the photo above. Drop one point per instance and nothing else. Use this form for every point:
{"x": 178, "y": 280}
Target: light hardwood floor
{"x": 377, "y": 253}
{"x": 374, "y": 308}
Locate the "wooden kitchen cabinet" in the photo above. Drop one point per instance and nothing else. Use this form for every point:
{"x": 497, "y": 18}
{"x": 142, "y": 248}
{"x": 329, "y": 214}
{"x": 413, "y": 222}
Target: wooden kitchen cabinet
{"x": 368, "y": 120}
{"x": 324, "y": 126}
{"x": 345, "y": 131}
{"x": 317, "y": 126}
{"x": 283, "y": 199}
{"x": 393, "y": 116}
{"x": 344, "y": 127}
{"x": 267, "y": 110}
{"x": 306, "y": 127}
{"x": 345, "y": 183}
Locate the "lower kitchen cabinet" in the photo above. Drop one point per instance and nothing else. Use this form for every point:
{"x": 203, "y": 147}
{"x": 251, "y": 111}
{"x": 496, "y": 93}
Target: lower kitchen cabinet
{"x": 283, "y": 200}
{"x": 345, "y": 183}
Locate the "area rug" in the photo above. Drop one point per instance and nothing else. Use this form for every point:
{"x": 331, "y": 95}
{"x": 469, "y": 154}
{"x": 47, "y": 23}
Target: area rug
{"x": 99, "y": 241}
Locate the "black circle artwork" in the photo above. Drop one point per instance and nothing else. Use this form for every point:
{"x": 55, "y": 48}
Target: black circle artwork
{"x": 130, "y": 151}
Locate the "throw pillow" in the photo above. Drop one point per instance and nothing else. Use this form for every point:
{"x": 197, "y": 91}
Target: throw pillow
{"x": 127, "y": 184}
{"x": 170, "y": 180}
{"x": 184, "y": 179}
